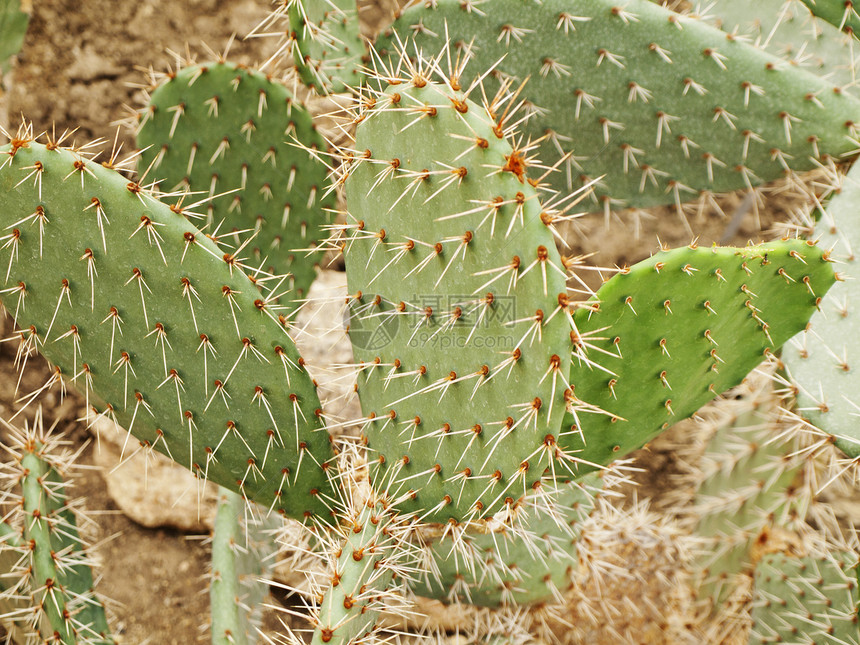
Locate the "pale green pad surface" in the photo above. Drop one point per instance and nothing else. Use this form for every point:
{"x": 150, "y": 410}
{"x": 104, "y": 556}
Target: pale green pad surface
{"x": 628, "y": 90}
{"x": 806, "y": 600}
{"x": 462, "y": 386}
{"x": 126, "y": 329}
{"x": 678, "y": 329}
{"x": 823, "y": 360}
{"x": 219, "y": 127}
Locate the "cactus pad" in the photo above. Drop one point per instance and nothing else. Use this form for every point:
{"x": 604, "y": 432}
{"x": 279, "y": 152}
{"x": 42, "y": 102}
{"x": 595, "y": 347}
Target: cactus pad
{"x": 327, "y": 43}
{"x": 746, "y": 489}
{"x": 840, "y": 13}
{"x": 661, "y": 106}
{"x": 13, "y": 27}
{"x": 458, "y": 304}
{"x": 805, "y": 600}
{"x": 217, "y": 128}
{"x": 822, "y": 361}
{"x": 678, "y": 329}
{"x": 158, "y": 327}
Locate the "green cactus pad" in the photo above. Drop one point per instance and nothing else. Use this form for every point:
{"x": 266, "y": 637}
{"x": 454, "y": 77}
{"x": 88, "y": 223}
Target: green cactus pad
{"x": 362, "y": 574}
{"x": 158, "y": 327}
{"x": 456, "y": 287}
{"x": 806, "y": 600}
{"x": 746, "y": 488}
{"x": 328, "y": 47}
{"x": 678, "y": 329}
{"x": 531, "y": 563}
{"x": 13, "y": 27}
{"x": 822, "y": 360}
{"x": 219, "y": 127}
{"x": 661, "y": 106}
{"x": 242, "y": 557}
{"x": 840, "y": 13}
{"x": 76, "y": 577}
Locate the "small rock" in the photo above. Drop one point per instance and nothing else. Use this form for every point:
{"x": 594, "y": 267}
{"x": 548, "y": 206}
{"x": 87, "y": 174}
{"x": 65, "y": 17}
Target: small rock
{"x": 90, "y": 65}
{"x": 149, "y": 488}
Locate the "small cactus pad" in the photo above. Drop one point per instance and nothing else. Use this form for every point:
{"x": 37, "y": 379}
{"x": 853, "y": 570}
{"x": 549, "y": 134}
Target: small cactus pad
{"x": 661, "y": 106}
{"x": 327, "y": 44}
{"x": 786, "y": 28}
{"x": 678, "y": 329}
{"x": 458, "y": 304}
{"x": 745, "y": 490}
{"x": 530, "y": 562}
{"x": 366, "y": 556}
{"x": 57, "y": 583}
{"x": 840, "y": 13}
{"x": 241, "y": 559}
{"x": 13, "y": 27}
{"x": 158, "y": 327}
{"x": 217, "y": 128}
{"x": 823, "y": 360}
{"x": 814, "y": 599}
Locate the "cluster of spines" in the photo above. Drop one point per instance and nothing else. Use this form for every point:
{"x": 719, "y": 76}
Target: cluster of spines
{"x": 643, "y": 114}
{"x": 120, "y": 292}
{"x": 54, "y": 593}
{"x": 533, "y": 560}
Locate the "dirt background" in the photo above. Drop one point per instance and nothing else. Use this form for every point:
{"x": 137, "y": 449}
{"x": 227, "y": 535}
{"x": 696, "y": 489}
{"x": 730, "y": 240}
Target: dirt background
{"x": 79, "y": 68}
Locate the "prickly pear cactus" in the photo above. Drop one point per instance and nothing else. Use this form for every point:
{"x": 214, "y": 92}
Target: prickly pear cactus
{"x": 230, "y": 134}
{"x": 821, "y": 360}
{"x": 676, "y": 330}
{"x": 660, "y": 106}
{"x": 747, "y": 495}
{"x": 458, "y": 304}
{"x": 242, "y": 559}
{"x": 158, "y": 327}
{"x": 49, "y": 583}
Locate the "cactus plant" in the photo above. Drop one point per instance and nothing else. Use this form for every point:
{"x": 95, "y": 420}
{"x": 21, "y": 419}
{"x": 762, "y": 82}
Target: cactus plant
{"x": 493, "y": 378}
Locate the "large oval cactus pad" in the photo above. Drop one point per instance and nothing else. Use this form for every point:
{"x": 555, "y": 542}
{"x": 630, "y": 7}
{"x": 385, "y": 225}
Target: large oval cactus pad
{"x": 151, "y": 320}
